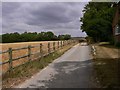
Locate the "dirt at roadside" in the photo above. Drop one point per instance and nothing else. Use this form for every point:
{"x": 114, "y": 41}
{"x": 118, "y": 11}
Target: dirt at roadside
{"x": 106, "y": 52}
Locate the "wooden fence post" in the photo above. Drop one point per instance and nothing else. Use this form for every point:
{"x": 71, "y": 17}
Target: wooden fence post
{"x": 41, "y": 50}
{"x": 29, "y": 53}
{"x": 10, "y": 59}
{"x": 48, "y": 48}
{"x": 58, "y": 44}
{"x": 54, "y": 46}
{"x": 61, "y": 44}
{"x": 64, "y": 43}
{"x": 68, "y": 42}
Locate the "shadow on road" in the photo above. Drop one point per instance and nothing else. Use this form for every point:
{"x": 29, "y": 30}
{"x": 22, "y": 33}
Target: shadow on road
{"x": 71, "y": 74}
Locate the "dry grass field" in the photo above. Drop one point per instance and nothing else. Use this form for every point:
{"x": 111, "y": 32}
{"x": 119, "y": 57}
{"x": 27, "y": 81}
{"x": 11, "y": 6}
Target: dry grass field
{"x": 23, "y": 52}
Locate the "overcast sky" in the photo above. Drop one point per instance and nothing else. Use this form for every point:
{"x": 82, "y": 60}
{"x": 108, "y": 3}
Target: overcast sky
{"x": 58, "y": 17}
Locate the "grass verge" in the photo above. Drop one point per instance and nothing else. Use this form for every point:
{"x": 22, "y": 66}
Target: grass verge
{"x": 106, "y": 67}
{"x": 109, "y": 45}
{"x": 107, "y": 72}
{"x": 21, "y": 73}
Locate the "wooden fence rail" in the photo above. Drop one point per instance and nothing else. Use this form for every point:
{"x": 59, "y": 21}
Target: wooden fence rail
{"x": 50, "y": 49}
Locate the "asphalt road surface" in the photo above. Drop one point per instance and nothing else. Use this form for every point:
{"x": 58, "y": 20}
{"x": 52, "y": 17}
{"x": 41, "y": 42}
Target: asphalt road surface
{"x": 72, "y": 70}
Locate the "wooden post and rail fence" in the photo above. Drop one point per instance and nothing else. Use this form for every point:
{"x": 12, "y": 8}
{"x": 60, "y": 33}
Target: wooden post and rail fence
{"x": 50, "y": 49}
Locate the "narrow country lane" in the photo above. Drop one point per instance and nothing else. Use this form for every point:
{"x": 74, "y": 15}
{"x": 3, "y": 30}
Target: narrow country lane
{"x": 71, "y": 70}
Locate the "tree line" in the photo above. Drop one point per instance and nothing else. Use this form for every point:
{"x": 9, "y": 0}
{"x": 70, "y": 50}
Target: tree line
{"x": 97, "y": 21}
{"x": 32, "y": 36}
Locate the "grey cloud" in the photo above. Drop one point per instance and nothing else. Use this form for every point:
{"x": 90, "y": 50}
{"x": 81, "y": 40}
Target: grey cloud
{"x": 9, "y": 7}
{"x": 59, "y": 17}
{"x": 52, "y": 13}
{"x": 71, "y": 25}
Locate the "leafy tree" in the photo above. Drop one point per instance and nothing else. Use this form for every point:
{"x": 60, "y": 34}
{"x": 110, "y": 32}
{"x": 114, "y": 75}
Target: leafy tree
{"x": 49, "y": 35}
{"x": 97, "y": 20}
{"x": 31, "y": 36}
{"x": 67, "y": 37}
{"x": 64, "y": 37}
{"x": 60, "y": 37}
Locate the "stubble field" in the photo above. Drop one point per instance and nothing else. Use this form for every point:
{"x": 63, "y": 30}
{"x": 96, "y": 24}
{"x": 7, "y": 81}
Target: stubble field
{"x": 22, "y": 52}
